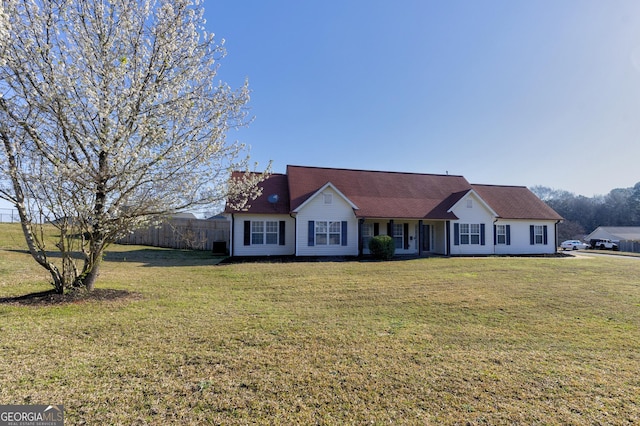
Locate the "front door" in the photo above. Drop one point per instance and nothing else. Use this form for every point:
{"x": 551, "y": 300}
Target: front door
{"x": 426, "y": 238}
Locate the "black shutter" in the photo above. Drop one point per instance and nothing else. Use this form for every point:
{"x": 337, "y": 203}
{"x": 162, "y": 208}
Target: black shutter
{"x": 344, "y": 232}
{"x": 456, "y": 234}
{"x": 508, "y": 235}
{"x": 482, "y": 241}
{"x": 406, "y": 236}
{"x": 311, "y": 238}
{"x": 532, "y": 235}
{"x": 495, "y": 234}
{"x": 281, "y": 235}
{"x": 376, "y": 229}
{"x": 544, "y": 233}
{"x": 247, "y": 232}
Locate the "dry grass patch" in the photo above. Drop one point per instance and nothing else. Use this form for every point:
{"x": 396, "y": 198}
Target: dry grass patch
{"x": 431, "y": 341}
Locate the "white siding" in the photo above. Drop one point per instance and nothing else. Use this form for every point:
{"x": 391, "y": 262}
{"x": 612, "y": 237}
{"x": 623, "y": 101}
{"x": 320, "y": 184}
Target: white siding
{"x": 317, "y": 210}
{"x": 239, "y": 249}
{"x": 521, "y": 237}
{"x": 473, "y": 213}
{"x": 519, "y": 232}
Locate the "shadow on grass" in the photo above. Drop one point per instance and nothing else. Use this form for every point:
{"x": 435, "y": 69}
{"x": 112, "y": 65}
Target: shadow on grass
{"x": 150, "y": 256}
{"x": 50, "y": 297}
{"x": 164, "y": 257}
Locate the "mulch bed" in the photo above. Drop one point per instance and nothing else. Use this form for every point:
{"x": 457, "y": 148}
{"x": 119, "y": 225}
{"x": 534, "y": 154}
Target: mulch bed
{"x": 50, "y": 297}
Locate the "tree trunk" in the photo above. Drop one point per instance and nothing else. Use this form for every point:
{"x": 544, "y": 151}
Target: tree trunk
{"x": 89, "y": 280}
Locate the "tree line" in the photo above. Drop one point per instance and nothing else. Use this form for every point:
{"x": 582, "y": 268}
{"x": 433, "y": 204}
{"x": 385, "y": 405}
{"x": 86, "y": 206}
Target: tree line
{"x": 582, "y": 215}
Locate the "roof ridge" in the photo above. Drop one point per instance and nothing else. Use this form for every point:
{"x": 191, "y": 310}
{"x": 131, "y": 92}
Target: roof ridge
{"x": 372, "y": 171}
{"x": 498, "y": 185}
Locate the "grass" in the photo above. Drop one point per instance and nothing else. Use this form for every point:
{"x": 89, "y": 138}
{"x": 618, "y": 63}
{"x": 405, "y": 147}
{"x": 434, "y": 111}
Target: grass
{"x": 428, "y": 341}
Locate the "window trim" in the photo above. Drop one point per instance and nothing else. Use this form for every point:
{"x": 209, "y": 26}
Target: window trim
{"x": 469, "y": 234}
{"x": 398, "y": 235}
{"x": 329, "y": 231}
{"x": 367, "y": 234}
{"x": 501, "y": 231}
{"x": 264, "y": 232}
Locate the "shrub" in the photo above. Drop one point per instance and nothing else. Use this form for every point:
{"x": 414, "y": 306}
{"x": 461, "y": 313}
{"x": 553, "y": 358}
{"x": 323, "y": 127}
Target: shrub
{"x": 382, "y": 247}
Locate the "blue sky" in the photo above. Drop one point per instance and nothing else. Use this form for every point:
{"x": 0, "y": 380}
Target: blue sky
{"x": 535, "y": 92}
{"x": 499, "y": 91}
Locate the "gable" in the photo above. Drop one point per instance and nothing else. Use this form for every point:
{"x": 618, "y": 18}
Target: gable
{"x": 380, "y": 194}
{"x": 328, "y": 193}
{"x": 471, "y": 200}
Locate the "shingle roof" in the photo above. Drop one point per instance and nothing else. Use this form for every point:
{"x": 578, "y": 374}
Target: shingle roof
{"x": 275, "y": 184}
{"x": 630, "y": 233}
{"x": 396, "y": 195}
{"x": 515, "y": 202}
{"x": 382, "y": 194}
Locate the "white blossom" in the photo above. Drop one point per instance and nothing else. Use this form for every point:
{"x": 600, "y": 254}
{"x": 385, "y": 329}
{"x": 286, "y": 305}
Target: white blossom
{"x": 111, "y": 112}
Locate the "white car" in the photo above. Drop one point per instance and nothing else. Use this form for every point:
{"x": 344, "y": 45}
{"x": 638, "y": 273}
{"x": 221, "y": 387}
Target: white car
{"x": 573, "y": 245}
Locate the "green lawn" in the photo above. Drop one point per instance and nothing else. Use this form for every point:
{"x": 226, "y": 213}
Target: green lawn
{"x": 430, "y": 341}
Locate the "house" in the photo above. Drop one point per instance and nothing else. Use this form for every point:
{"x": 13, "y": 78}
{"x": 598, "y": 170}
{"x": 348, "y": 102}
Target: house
{"x": 315, "y": 211}
{"x": 616, "y": 233}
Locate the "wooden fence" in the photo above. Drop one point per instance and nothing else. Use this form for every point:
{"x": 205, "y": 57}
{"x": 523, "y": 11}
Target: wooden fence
{"x": 630, "y": 246}
{"x": 181, "y": 233}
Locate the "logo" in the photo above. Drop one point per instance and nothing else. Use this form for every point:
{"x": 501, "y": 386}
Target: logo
{"x": 31, "y": 415}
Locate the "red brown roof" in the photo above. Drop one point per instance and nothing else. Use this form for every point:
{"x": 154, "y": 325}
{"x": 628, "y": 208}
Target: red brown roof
{"x": 275, "y": 184}
{"x": 381, "y": 194}
{"x": 515, "y": 202}
{"x": 393, "y": 195}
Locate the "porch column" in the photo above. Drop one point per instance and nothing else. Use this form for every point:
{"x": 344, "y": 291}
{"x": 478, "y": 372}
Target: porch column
{"x": 360, "y": 244}
{"x": 447, "y": 238}
{"x": 420, "y": 237}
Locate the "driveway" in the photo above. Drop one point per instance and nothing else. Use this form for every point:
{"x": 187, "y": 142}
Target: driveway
{"x": 603, "y": 253}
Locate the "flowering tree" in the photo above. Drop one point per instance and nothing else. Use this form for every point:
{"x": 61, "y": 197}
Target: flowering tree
{"x": 110, "y": 117}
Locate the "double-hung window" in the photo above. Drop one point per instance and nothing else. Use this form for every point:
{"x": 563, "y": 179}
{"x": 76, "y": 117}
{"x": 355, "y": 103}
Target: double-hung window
{"x": 367, "y": 234}
{"x": 501, "y": 234}
{"x": 469, "y": 233}
{"x": 538, "y": 234}
{"x": 264, "y": 232}
{"x": 328, "y": 232}
{"x": 398, "y": 235}
{"x": 257, "y": 232}
{"x": 271, "y": 232}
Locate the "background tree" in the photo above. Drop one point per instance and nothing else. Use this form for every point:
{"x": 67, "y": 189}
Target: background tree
{"x": 110, "y": 117}
{"x": 620, "y": 207}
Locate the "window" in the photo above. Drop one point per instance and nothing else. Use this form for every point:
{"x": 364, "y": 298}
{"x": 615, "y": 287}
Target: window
{"x": 501, "y": 234}
{"x": 398, "y": 235}
{"x": 328, "y": 233}
{"x": 264, "y": 232}
{"x": 271, "y": 232}
{"x": 367, "y": 234}
{"x": 327, "y": 198}
{"x": 257, "y": 233}
{"x": 469, "y": 203}
{"x": 538, "y": 234}
{"x": 469, "y": 233}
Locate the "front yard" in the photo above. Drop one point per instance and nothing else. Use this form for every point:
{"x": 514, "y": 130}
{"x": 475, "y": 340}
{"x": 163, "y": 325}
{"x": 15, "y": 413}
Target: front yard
{"x": 428, "y": 341}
